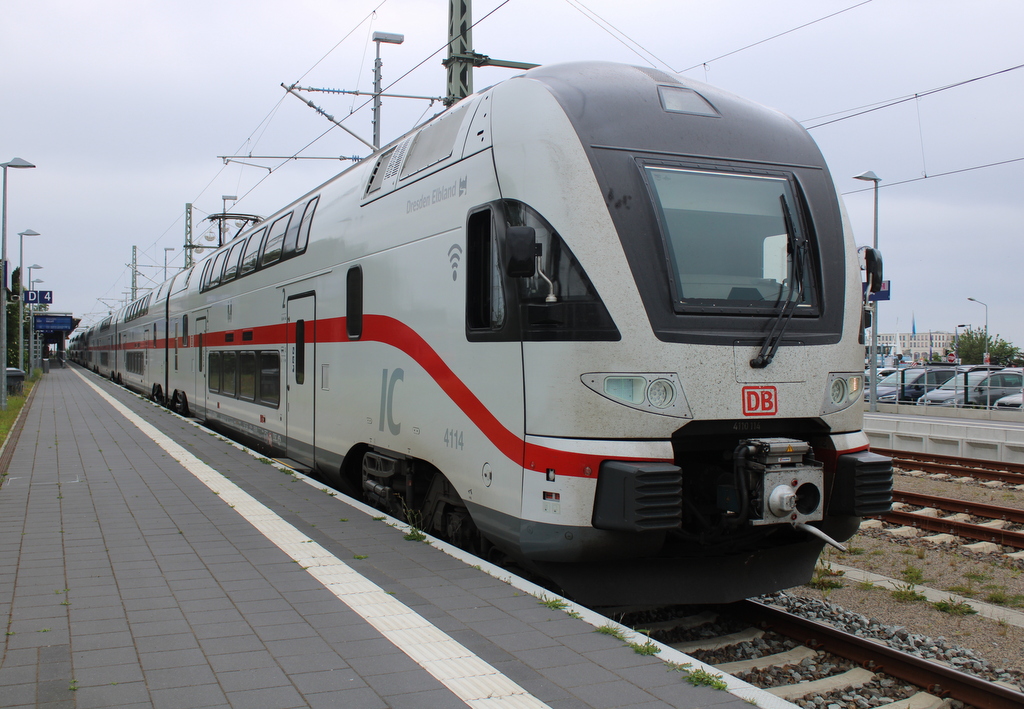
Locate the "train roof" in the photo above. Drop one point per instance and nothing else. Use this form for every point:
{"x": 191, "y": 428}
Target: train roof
{"x": 643, "y": 109}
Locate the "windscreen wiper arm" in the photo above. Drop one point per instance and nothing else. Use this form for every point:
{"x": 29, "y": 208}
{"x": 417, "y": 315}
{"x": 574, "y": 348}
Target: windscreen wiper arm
{"x": 771, "y": 343}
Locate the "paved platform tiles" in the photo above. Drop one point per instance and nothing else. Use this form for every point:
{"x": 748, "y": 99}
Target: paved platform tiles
{"x": 164, "y": 567}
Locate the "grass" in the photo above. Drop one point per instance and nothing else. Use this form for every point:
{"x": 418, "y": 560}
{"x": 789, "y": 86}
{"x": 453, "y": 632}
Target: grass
{"x": 907, "y": 593}
{"x": 912, "y": 575}
{"x": 825, "y": 577}
{"x": 555, "y": 604}
{"x": 611, "y": 630}
{"x": 959, "y": 608}
{"x": 704, "y": 678}
{"x": 14, "y": 406}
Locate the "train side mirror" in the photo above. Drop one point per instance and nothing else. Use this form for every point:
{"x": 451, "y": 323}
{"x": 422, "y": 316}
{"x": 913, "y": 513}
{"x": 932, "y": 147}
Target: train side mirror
{"x": 521, "y": 247}
{"x": 873, "y": 267}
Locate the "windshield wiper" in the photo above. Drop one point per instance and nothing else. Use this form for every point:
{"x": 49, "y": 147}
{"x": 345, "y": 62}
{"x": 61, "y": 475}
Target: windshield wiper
{"x": 798, "y": 250}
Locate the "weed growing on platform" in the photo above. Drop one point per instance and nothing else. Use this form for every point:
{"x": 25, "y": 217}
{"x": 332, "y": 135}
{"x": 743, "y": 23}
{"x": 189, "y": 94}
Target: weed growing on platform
{"x": 704, "y": 678}
{"x": 360, "y": 557}
{"x": 648, "y": 647}
{"x": 555, "y": 604}
{"x": 611, "y": 630}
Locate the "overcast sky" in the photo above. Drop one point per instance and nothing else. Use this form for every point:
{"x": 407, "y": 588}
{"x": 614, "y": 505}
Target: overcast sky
{"x": 125, "y": 106}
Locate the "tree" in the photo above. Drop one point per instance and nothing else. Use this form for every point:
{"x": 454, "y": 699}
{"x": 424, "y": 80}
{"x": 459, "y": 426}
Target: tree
{"x": 972, "y": 348}
{"x": 12, "y": 320}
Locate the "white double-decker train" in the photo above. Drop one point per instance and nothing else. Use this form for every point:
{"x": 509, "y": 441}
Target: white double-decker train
{"x": 598, "y": 318}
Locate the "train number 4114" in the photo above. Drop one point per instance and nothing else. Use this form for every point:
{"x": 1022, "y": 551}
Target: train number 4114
{"x": 453, "y": 438}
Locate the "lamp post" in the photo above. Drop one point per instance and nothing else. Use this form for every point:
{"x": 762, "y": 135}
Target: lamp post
{"x": 956, "y": 340}
{"x": 869, "y": 176}
{"x": 975, "y": 300}
{"x": 16, "y": 163}
{"x": 166, "y": 249}
{"x": 387, "y": 38}
{"x": 985, "y": 357}
{"x": 31, "y": 327}
{"x": 21, "y": 300}
{"x": 31, "y": 333}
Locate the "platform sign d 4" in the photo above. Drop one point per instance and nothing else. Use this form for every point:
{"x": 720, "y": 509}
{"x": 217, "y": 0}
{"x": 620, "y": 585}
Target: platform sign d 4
{"x": 39, "y": 296}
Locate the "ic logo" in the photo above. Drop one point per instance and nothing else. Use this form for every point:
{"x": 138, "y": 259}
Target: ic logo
{"x": 760, "y": 401}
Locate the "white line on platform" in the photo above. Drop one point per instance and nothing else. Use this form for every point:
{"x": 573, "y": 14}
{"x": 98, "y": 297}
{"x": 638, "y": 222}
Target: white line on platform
{"x": 471, "y": 679}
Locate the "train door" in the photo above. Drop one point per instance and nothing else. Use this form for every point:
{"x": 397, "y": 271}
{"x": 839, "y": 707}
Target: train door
{"x": 299, "y": 381}
{"x": 200, "y": 367}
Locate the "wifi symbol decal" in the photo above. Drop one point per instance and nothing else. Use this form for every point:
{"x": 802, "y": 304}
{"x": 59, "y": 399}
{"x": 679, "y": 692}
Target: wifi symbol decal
{"x": 454, "y": 256}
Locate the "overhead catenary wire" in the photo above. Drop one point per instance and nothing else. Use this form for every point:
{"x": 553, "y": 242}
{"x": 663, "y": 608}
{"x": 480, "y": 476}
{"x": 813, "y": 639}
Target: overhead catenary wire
{"x": 871, "y": 108}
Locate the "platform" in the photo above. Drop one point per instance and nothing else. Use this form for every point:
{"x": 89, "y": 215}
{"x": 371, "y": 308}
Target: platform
{"x": 145, "y": 562}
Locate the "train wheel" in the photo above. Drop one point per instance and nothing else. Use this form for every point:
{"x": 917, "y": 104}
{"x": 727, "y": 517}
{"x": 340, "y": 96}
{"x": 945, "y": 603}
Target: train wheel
{"x": 157, "y": 394}
{"x": 179, "y": 403}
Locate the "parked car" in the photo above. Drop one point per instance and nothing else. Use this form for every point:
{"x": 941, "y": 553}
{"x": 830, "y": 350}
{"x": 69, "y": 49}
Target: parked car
{"x": 883, "y": 372}
{"x": 983, "y": 388}
{"x": 906, "y": 386}
{"x": 946, "y": 394}
{"x": 1011, "y": 402}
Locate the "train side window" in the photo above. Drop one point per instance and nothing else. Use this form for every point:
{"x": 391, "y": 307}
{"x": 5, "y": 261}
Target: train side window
{"x": 218, "y": 269}
{"x": 204, "y": 282}
{"x": 275, "y": 240}
{"x": 231, "y": 263}
{"x": 250, "y": 257}
{"x": 229, "y": 372}
{"x": 184, "y": 330}
{"x": 270, "y": 379}
{"x": 297, "y": 239}
{"x": 300, "y": 351}
{"x": 214, "y": 369}
{"x": 485, "y": 296}
{"x": 354, "y": 303}
{"x": 247, "y": 376}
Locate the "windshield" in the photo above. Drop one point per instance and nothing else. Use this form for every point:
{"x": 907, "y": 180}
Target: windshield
{"x": 957, "y": 382}
{"x": 727, "y": 239}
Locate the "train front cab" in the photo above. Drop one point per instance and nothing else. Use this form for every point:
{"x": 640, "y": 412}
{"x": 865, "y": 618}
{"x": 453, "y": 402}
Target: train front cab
{"x": 693, "y": 378}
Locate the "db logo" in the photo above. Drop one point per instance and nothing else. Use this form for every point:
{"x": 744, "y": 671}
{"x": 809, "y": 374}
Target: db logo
{"x": 760, "y": 401}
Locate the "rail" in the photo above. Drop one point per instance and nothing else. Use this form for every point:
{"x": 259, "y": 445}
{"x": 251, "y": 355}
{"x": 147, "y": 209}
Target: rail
{"x": 939, "y": 679}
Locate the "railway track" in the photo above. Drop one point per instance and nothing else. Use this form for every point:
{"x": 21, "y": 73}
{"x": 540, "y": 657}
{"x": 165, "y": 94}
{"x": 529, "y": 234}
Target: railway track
{"x": 852, "y": 662}
{"x": 992, "y": 531}
{"x": 1012, "y": 473}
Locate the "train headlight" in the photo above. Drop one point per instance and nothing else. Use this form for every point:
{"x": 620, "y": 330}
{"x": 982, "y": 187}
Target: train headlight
{"x": 659, "y": 393}
{"x": 839, "y": 390}
{"x": 843, "y": 390}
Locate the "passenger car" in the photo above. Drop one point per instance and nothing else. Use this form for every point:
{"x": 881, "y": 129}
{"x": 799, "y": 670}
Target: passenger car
{"x": 909, "y": 385}
{"x": 983, "y": 388}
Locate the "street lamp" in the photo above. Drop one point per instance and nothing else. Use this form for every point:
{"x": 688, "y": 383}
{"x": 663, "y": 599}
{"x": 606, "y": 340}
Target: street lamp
{"x": 21, "y": 300}
{"x": 956, "y": 340}
{"x": 985, "y": 358}
{"x": 31, "y": 333}
{"x": 166, "y": 249}
{"x": 16, "y": 163}
{"x": 869, "y": 176}
{"x": 29, "y": 280}
{"x": 387, "y": 38}
{"x": 975, "y": 300}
